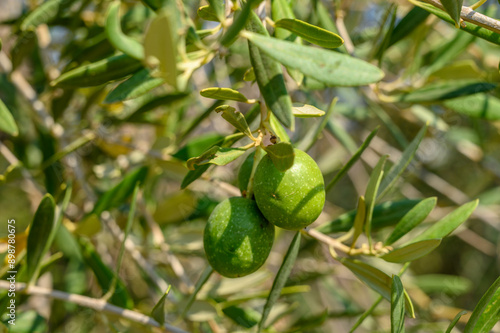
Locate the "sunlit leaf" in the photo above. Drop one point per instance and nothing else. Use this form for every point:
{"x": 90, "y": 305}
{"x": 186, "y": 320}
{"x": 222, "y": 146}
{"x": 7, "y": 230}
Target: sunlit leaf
{"x": 330, "y": 67}
{"x": 412, "y": 219}
{"x": 216, "y": 155}
{"x": 158, "y": 312}
{"x": 282, "y": 155}
{"x": 306, "y": 111}
{"x": 7, "y": 122}
{"x": 118, "y": 39}
{"x": 412, "y": 251}
{"x": 311, "y": 33}
{"x": 481, "y": 106}
{"x": 223, "y": 94}
{"x": 486, "y": 314}
{"x": 235, "y": 118}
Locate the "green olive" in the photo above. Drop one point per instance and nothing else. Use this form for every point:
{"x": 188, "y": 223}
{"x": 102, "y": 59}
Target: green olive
{"x": 237, "y": 237}
{"x": 292, "y": 199}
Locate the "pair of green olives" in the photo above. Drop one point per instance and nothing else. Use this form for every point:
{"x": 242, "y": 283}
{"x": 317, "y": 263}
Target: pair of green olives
{"x": 240, "y": 232}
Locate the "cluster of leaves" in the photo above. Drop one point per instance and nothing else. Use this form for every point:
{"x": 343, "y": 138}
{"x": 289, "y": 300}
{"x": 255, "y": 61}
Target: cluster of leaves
{"x": 109, "y": 124}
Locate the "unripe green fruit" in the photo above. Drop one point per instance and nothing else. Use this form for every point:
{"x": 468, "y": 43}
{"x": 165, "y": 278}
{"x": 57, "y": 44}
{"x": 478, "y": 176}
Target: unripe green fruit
{"x": 237, "y": 238}
{"x": 292, "y": 199}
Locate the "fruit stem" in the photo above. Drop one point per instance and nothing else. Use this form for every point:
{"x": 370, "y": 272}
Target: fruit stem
{"x": 256, "y": 159}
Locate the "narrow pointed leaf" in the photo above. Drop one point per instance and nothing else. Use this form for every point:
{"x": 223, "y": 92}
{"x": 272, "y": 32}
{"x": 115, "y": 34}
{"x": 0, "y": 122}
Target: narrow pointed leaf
{"x": 384, "y": 214}
{"x": 311, "y": 33}
{"x": 455, "y": 321}
{"x": 310, "y": 139}
{"x": 359, "y": 220}
{"x": 453, "y": 8}
{"x": 352, "y": 160}
{"x": 486, "y": 314}
{"x": 239, "y": 21}
{"x": 216, "y": 155}
{"x": 398, "y": 168}
{"x": 375, "y": 279}
{"x": 408, "y": 24}
{"x": 117, "y": 38}
{"x": 412, "y": 219}
{"x": 282, "y": 155}
{"x": 235, "y": 118}
{"x": 306, "y": 111}
{"x": 223, "y": 94}
{"x": 397, "y": 306}
{"x": 441, "y": 91}
{"x": 278, "y": 129}
{"x": 7, "y": 122}
{"x": 118, "y": 194}
{"x": 329, "y": 67}
{"x": 281, "y": 278}
{"x": 371, "y": 192}
{"x": 137, "y": 85}
{"x": 45, "y": 13}
{"x": 40, "y": 231}
{"x": 158, "y": 312}
{"x": 269, "y": 77}
{"x": 412, "y": 251}
{"x": 450, "y": 222}
{"x": 481, "y": 106}
{"x": 205, "y": 275}
{"x": 160, "y": 43}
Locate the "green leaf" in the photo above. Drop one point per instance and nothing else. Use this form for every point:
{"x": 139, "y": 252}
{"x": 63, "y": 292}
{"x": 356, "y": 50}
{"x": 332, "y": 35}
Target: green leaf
{"x": 7, "y": 122}
{"x": 249, "y": 75}
{"x": 158, "y": 312}
{"x": 45, "y": 13}
{"x": 207, "y": 13}
{"x": 269, "y": 78}
{"x": 481, "y": 106}
{"x": 218, "y": 7}
{"x": 235, "y": 118}
{"x": 453, "y": 8}
{"x": 455, "y": 321}
{"x": 281, "y": 278}
{"x": 311, "y": 33}
{"x": 371, "y": 192}
{"x": 450, "y": 222}
{"x": 312, "y": 136}
{"x": 352, "y": 160}
{"x": 216, "y": 155}
{"x": 306, "y": 111}
{"x": 198, "y": 145}
{"x": 278, "y": 129}
{"x": 282, "y": 155}
{"x": 452, "y": 285}
{"x": 41, "y": 228}
{"x": 137, "y": 85}
{"x": 384, "y": 214}
{"x": 412, "y": 251}
{"x": 326, "y": 21}
{"x": 246, "y": 317}
{"x": 329, "y": 67}
{"x": 205, "y": 275}
{"x": 375, "y": 279}
{"x": 398, "y": 168}
{"x": 99, "y": 72}
{"x": 441, "y": 91}
{"x": 116, "y": 36}
{"x": 105, "y": 275}
{"x": 239, "y": 21}
{"x": 473, "y": 29}
{"x": 160, "y": 43}
{"x": 397, "y": 306}
{"x": 359, "y": 220}
{"x": 118, "y": 194}
{"x": 224, "y": 94}
{"x": 412, "y": 219}
{"x": 486, "y": 314}
{"x": 408, "y": 24}
{"x": 26, "y": 44}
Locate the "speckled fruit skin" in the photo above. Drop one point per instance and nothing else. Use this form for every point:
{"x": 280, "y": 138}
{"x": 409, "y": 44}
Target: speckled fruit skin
{"x": 237, "y": 237}
{"x": 292, "y": 199}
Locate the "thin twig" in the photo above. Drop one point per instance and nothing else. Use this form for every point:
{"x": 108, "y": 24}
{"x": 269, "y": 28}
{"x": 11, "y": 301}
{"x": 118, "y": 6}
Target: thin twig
{"x": 91, "y": 303}
{"x": 469, "y": 15}
{"x": 339, "y": 22}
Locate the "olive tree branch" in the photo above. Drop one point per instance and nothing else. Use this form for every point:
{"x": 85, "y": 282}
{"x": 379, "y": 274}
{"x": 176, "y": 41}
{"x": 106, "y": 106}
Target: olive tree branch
{"x": 91, "y": 303}
{"x": 469, "y": 15}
